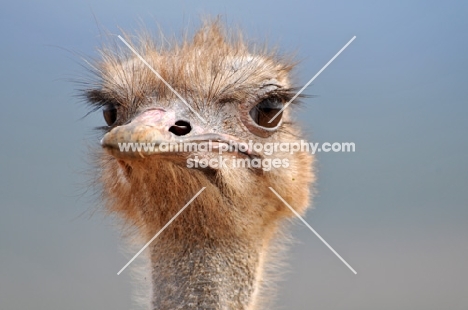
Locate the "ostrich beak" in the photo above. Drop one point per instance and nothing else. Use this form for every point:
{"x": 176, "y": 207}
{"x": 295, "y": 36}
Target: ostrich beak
{"x": 150, "y": 133}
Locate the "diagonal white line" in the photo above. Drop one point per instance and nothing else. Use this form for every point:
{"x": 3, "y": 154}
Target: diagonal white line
{"x": 313, "y": 230}
{"x": 161, "y": 78}
{"x": 313, "y": 78}
{"x": 161, "y": 230}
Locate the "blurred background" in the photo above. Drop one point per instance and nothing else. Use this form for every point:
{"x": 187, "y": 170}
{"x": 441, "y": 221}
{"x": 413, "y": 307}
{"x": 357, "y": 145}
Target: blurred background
{"x": 396, "y": 209}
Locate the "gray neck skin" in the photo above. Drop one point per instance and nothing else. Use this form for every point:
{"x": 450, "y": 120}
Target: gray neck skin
{"x": 208, "y": 274}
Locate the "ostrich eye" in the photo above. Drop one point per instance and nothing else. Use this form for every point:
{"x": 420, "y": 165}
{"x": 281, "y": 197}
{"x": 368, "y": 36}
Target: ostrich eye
{"x": 110, "y": 114}
{"x": 263, "y": 112}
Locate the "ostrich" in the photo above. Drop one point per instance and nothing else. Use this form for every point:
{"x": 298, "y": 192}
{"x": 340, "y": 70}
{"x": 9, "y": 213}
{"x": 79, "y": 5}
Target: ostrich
{"x": 215, "y": 253}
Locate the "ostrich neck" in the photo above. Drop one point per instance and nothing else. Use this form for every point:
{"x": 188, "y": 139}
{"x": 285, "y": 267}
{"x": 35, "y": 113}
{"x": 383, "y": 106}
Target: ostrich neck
{"x": 205, "y": 275}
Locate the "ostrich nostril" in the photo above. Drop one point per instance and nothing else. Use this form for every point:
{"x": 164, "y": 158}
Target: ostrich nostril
{"x": 180, "y": 128}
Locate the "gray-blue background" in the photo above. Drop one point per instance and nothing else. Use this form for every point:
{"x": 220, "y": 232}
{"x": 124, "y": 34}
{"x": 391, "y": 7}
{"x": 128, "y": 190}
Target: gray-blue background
{"x": 396, "y": 209}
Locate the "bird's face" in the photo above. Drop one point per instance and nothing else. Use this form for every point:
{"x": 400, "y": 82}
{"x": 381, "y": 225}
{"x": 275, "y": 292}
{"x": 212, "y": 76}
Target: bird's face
{"x": 199, "y": 111}
{"x": 201, "y": 97}
{"x": 229, "y": 124}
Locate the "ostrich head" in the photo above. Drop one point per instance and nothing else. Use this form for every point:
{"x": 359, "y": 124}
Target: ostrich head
{"x": 212, "y": 256}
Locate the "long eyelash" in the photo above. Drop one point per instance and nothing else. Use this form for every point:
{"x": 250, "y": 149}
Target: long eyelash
{"x": 285, "y": 95}
{"x": 98, "y": 99}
